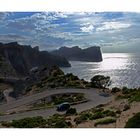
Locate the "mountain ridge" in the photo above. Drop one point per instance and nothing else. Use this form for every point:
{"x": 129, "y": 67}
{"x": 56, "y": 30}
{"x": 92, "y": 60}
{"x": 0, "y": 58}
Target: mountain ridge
{"x": 23, "y": 57}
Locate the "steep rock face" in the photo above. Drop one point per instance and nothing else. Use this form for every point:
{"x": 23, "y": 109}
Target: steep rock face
{"x": 22, "y": 58}
{"x": 6, "y": 69}
{"x": 91, "y": 54}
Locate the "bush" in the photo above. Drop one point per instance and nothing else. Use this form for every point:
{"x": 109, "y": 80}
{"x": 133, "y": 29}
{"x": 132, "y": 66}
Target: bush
{"x": 95, "y": 110}
{"x": 135, "y": 96}
{"x": 83, "y": 117}
{"x": 62, "y": 124}
{"x": 100, "y": 113}
{"x": 71, "y": 98}
{"x": 126, "y": 107}
{"x": 58, "y": 121}
{"x": 133, "y": 122}
{"x": 105, "y": 121}
{"x": 118, "y": 111}
{"x": 6, "y": 124}
{"x": 71, "y": 111}
{"x": 115, "y": 89}
{"x": 97, "y": 115}
{"x": 100, "y": 81}
{"x": 109, "y": 113}
{"x": 125, "y": 90}
{"x": 29, "y": 122}
{"x": 78, "y": 120}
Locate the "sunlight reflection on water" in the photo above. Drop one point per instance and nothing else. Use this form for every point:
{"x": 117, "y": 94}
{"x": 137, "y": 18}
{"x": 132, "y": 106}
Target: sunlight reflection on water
{"x": 123, "y": 68}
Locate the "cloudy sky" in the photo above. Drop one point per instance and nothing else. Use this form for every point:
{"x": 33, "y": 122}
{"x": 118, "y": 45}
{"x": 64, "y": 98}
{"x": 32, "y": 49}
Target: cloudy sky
{"x": 113, "y": 31}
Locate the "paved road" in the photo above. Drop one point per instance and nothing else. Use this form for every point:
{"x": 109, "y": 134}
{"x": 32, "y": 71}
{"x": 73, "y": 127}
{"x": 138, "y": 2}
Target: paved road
{"x": 95, "y": 98}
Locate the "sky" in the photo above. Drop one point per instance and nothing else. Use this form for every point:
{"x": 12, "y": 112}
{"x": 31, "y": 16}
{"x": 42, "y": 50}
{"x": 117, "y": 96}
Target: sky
{"x": 113, "y": 31}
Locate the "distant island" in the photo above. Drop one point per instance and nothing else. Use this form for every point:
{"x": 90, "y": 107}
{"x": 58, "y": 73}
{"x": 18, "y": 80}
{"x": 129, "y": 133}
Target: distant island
{"x": 91, "y": 54}
{"x": 16, "y": 58}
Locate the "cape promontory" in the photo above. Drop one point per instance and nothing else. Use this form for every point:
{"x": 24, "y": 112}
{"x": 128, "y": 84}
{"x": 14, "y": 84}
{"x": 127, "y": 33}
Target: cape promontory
{"x": 91, "y": 54}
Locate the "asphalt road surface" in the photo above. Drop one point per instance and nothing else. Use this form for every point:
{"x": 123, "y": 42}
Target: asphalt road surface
{"x": 93, "y": 95}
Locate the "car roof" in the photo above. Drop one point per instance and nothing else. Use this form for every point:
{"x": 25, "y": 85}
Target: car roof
{"x": 64, "y": 103}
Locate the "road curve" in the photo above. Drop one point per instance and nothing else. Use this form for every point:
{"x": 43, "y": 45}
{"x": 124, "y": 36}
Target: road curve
{"x": 93, "y": 95}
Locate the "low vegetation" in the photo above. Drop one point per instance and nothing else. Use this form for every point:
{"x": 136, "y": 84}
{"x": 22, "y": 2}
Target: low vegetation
{"x": 100, "y": 81}
{"x": 58, "y": 121}
{"x": 105, "y": 121}
{"x": 130, "y": 94}
{"x": 71, "y": 111}
{"x": 126, "y": 107}
{"x": 133, "y": 122}
{"x": 69, "y": 97}
{"x": 72, "y": 98}
{"x": 115, "y": 90}
{"x": 94, "y": 114}
{"x": 55, "y": 121}
{"x": 32, "y": 122}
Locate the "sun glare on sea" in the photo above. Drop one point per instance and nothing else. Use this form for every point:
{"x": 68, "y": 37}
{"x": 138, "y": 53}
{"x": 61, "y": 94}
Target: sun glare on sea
{"x": 114, "y": 61}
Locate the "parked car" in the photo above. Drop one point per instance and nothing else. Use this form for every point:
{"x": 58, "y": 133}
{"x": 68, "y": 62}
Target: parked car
{"x": 63, "y": 106}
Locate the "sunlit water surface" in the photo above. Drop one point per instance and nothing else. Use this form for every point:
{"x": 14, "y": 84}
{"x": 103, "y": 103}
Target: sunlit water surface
{"x": 123, "y": 68}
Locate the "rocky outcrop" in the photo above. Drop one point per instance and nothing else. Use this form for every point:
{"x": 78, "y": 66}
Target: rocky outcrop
{"x": 91, "y": 54}
{"x": 22, "y": 57}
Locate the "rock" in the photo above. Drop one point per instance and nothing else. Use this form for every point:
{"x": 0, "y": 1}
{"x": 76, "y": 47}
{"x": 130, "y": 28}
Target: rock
{"x": 22, "y": 58}
{"x": 91, "y": 54}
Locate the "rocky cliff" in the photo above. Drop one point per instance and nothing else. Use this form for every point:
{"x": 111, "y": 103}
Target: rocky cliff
{"x": 91, "y": 54}
{"x": 21, "y": 58}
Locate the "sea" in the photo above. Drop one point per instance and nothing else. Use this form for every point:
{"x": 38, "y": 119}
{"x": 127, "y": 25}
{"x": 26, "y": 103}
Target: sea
{"x": 123, "y": 69}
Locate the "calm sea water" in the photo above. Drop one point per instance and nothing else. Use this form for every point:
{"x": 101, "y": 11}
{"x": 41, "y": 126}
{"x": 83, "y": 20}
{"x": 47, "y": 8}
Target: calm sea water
{"x": 123, "y": 68}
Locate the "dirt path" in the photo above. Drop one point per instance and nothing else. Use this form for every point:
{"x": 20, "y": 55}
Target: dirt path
{"x": 6, "y": 93}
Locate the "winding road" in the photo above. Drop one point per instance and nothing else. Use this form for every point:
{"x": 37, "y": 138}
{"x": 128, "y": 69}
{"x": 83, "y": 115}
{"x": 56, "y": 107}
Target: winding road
{"x": 93, "y": 95}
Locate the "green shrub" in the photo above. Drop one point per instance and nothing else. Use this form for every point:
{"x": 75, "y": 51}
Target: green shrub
{"x": 78, "y": 120}
{"x": 125, "y": 90}
{"x": 71, "y": 98}
{"x": 62, "y": 124}
{"x": 97, "y": 115}
{"x": 115, "y": 89}
{"x": 100, "y": 81}
{"x": 29, "y": 122}
{"x": 71, "y": 111}
{"x": 6, "y": 124}
{"x": 83, "y": 117}
{"x": 58, "y": 121}
{"x": 126, "y": 107}
{"x": 109, "y": 113}
{"x": 105, "y": 121}
{"x": 39, "y": 84}
{"x": 118, "y": 112}
{"x": 95, "y": 110}
{"x": 133, "y": 122}
{"x": 135, "y": 96}
{"x": 86, "y": 116}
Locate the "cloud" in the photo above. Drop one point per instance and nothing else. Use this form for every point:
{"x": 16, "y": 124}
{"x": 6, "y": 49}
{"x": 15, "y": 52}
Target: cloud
{"x": 87, "y": 29}
{"x": 113, "y": 26}
{"x": 13, "y": 37}
{"x": 53, "y": 29}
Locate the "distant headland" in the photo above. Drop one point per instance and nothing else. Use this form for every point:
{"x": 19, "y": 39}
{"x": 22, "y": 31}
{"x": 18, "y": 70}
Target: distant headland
{"x": 91, "y": 54}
